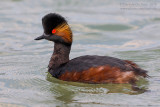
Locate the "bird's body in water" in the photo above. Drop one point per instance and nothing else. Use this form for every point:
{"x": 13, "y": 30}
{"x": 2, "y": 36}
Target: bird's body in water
{"x": 86, "y": 69}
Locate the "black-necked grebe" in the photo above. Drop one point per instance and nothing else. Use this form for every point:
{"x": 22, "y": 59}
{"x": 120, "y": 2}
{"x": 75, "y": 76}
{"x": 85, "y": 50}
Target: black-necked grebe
{"x": 87, "y": 69}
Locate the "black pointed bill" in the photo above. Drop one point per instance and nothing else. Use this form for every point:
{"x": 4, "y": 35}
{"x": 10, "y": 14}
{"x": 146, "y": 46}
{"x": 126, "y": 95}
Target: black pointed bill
{"x": 40, "y": 37}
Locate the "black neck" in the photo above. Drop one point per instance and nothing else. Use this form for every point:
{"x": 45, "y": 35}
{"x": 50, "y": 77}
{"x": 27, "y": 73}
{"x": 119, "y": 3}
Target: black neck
{"x": 60, "y": 55}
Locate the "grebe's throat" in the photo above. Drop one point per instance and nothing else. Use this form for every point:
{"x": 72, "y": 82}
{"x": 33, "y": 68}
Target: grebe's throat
{"x": 60, "y": 56}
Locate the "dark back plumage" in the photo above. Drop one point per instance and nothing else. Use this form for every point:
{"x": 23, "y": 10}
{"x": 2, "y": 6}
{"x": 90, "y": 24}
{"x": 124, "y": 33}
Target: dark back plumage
{"x": 83, "y": 63}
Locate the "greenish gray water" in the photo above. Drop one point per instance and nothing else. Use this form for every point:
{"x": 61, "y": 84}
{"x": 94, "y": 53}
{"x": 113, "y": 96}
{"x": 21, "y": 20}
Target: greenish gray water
{"x": 118, "y": 28}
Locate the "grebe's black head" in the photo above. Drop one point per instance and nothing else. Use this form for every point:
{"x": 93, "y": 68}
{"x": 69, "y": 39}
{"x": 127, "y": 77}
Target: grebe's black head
{"x": 56, "y": 29}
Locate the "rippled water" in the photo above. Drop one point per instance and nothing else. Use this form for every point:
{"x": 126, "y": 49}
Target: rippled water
{"x": 119, "y": 28}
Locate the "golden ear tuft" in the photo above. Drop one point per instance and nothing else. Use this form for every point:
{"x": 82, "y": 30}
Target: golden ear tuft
{"x": 65, "y": 32}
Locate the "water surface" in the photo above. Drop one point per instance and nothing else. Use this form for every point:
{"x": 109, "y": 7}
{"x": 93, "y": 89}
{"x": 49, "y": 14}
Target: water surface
{"x": 118, "y": 28}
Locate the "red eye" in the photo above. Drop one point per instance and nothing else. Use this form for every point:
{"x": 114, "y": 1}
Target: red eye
{"x": 53, "y": 31}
